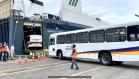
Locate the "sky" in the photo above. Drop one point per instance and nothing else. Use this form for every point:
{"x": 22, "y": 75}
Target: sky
{"x": 111, "y": 11}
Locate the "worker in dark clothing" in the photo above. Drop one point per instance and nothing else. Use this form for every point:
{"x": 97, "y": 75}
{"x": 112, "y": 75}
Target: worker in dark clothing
{"x": 74, "y": 57}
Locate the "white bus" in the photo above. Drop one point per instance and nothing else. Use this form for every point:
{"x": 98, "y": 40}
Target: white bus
{"x": 35, "y": 41}
{"x": 109, "y": 44}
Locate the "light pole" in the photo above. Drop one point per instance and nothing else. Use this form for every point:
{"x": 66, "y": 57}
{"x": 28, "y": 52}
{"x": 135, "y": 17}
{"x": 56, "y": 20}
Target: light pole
{"x": 15, "y": 30}
{"x": 16, "y": 13}
{"x": 57, "y": 29}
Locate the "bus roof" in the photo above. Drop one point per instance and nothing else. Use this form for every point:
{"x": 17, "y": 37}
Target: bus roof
{"x": 97, "y": 28}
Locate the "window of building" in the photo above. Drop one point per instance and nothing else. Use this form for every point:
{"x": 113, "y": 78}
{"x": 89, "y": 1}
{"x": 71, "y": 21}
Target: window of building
{"x": 97, "y": 36}
{"x": 61, "y": 39}
{"x": 116, "y": 34}
{"x": 82, "y": 37}
{"x": 133, "y": 33}
{"x": 70, "y": 38}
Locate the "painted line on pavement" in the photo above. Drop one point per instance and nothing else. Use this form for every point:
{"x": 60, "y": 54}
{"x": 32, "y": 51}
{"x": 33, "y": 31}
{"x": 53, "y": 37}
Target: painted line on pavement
{"x": 14, "y": 64}
{"x": 92, "y": 70}
{"x": 7, "y": 62}
{"x": 13, "y": 61}
{"x": 32, "y": 67}
{"x": 5, "y": 74}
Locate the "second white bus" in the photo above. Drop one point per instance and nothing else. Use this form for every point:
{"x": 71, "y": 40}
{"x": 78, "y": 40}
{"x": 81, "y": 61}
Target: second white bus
{"x": 109, "y": 44}
{"x": 35, "y": 41}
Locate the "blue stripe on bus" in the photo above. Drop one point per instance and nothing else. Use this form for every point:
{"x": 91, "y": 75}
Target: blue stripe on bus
{"x": 116, "y": 50}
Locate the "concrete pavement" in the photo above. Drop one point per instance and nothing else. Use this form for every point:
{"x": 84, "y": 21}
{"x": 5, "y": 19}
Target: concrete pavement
{"x": 55, "y": 67}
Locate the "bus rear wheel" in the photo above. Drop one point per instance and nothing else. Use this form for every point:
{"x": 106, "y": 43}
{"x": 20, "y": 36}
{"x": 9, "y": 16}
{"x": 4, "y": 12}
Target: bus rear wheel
{"x": 105, "y": 59}
{"x": 60, "y": 55}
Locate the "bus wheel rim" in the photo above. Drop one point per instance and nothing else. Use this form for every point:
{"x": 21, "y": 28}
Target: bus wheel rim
{"x": 59, "y": 55}
{"x": 105, "y": 59}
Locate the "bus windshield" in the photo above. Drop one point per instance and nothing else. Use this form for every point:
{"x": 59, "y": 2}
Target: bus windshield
{"x": 52, "y": 41}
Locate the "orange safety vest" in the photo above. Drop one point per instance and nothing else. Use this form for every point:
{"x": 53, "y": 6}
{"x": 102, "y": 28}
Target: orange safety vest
{"x": 1, "y": 49}
{"x": 74, "y": 54}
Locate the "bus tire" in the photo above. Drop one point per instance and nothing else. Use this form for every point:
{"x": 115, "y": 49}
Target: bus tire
{"x": 105, "y": 59}
{"x": 60, "y": 55}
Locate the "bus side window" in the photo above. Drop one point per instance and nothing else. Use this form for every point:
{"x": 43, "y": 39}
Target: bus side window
{"x": 138, "y": 36}
{"x": 61, "y": 39}
{"x": 97, "y": 36}
{"x": 132, "y": 37}
{"x": 70, "y": 38}
{"x": 133, "y": 33}
{"x": 82, "y": 37}
{"x": 116, "y": 34}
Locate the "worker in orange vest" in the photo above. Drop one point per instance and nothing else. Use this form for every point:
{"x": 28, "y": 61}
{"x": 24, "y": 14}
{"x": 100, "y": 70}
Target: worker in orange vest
{"x": 74, "y": 57}
{"x": 0, "y": 51}
{"x": 5, "y": 51}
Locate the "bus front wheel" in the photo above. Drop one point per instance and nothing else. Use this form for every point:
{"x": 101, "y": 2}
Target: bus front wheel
{"x": 105, "y": 59}
{"x": 60, "y": 55}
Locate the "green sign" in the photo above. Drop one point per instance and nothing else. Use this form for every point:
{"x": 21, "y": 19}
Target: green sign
{"x": 73, "y": 3}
